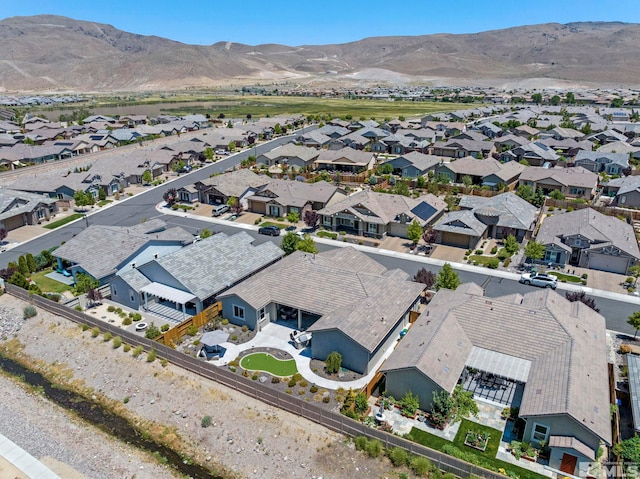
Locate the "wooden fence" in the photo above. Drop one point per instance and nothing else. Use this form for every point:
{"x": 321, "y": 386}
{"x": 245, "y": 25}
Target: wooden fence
{"x": 629, "y": 215}
{"x": 262, "y": 392}
{"x": 171, "y": 336}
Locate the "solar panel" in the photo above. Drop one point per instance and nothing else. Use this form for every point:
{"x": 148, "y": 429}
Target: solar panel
{"x": 424, "y": 210}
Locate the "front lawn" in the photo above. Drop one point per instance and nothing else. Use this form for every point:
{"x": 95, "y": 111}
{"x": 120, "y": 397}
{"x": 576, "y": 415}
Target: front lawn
{"x": 48, "y": 285}
{"x": 484, "y": 260}
{"x": 569, "y": 278}
{"x": 327, "y": 234}
{"x": 63, "y": 221}
{"x": 486, "y": 458}
{"x": 271, "y": 223}
{"x": 104, "y": 202}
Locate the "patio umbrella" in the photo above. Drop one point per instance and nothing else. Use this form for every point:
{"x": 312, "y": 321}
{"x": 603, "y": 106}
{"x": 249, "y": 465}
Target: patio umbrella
{"x": 214, "y": 338}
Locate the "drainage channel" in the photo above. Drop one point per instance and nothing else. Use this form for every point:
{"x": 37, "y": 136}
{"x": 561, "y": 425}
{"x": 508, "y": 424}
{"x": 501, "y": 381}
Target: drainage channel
{"x": 106, "y": 421}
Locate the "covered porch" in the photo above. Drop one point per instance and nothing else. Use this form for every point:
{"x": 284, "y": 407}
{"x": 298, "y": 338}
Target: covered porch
{"x": 168, "y": 302}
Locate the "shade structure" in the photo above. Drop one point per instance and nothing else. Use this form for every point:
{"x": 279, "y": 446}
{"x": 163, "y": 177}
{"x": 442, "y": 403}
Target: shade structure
{"x": 214, "y": 338}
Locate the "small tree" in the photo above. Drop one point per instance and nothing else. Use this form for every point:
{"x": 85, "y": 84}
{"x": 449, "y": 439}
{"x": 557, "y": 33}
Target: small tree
{"x": 290, "y": 243}
{"x": 152, "y": 331}
{"x": 19, "y": 280}
{"x": 94, "y": 296}
{"x": 447, "y": 278}
{"x": 467, "y": 181}
{"x": 31, "y": 263}
{"x": 333, "y": 363}
{"x": 557, "y": 195}
{"x": 208, "y": 153}
{"x": 634, "y": 271}
{"x": 170, "y": 196}
{"x": 430, "y": 236}
{"x": 177, "y": 166}
{"x": 307, "y": 244}
{"x": 426, "y": 277}
{"x": 583, "y": 298}
{"x": 465, "y": 406}
{"x": 442, "y": 409}
{"x": 311, "y": 218}
{"x": 232, "y": 146}
{"x": 534, "y": 250}
{"x": 293, "y": 217}
{"x": 83, "y": 198}
{"x": 511, "y": 244}
{"x": 147, "y": 177}
{"x": 102, "y": 195}
{"x": 634, "y": 320}
{"x": 22, "y": 266}
{"x": 410, "y": 403}
{"x": 235, "y": 205}
{"x": 414, "y": 231}
{"x": 84, "y": 283}
{"x": 205, "y": 233}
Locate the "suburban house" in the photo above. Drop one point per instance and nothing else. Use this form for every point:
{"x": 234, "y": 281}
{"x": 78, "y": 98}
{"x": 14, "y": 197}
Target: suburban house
{"x": 18, "y": 208}
{"x": 345, "y": 159}
{"x": 185, "y": 281}
{"x": 313, "y": 139}
{"x": 487, "y": 172}
{"x": 479, "y": 218}
{"x": 239, "y": 184}
{"x": 413, "y": 164}
{"x": 535, "y": 154}
{"x": 596, "y": 161}
{"x": 589, "y": 239}
{"x": 625, "y": 190}
{"x": 348, "y": 302}
{"x": 281, "y": 197}
{"x": 537, "y": 352}
{"x": 288, "y": 156}
{"x": 367, "y": 213}
{"x": 574, "y": 182}
{"x": 102, "y": 251}
{"x": 462, "y": 148}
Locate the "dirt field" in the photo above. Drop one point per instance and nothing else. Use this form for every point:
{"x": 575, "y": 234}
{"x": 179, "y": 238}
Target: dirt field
{"x": 247, "y": 437}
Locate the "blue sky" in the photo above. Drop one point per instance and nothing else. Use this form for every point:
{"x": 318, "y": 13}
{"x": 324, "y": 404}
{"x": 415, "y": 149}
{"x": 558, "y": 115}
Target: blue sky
{"x": 318, "y": 21}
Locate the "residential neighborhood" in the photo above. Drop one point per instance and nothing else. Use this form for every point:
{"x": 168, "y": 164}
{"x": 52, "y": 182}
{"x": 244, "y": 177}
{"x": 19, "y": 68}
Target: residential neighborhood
{"x": 296, "y": 214}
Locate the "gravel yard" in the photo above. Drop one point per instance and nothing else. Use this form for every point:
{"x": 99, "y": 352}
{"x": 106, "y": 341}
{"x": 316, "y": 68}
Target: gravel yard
{"x": 246, "y": 436}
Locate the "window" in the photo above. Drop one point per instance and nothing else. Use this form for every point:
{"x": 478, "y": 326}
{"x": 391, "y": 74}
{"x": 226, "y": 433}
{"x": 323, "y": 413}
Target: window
{"x": 238, "y": 312}
{"x": 131, "y": 296}
{"x": 113, "y": 288}
{"x": 373, "y": 228}
{"x": 539, "y": 433}
{"x": 262, "y": 313}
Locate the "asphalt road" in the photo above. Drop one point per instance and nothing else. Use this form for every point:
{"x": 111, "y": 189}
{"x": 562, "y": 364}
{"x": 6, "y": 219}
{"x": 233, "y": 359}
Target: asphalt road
{"x": 142, "y": 206}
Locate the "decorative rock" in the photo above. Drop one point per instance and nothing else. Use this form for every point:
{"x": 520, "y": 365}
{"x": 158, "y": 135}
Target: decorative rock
{"x": 208, "y": 458}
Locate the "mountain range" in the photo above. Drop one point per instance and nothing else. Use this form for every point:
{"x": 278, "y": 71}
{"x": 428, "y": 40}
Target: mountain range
{"x": 54, "y": 53}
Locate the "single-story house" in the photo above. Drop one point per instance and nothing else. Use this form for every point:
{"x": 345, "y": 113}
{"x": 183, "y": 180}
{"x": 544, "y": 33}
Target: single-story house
{"x": 462, "y": 148}
{"x": 188, "y": 279}
{"x": 345, "y": 159}
{"x": 239, "y": 184}
{"x": 625, "y": 190}
{"x": 367, "y": 213}
{"x": 535, "y": 154}
{"x": 589, "y": 239}
{"x": 413, "y": 164}
{"x": 479, "y": 218}
{"x": 290, "y": 155}
{"x": 102, "y": 251}
{"x": 596, "y": 161}
{"x": 19, "y": 208}
{"x": 574, "y": 182}
{"x": 281, "y": 197}
{"x": 348, "y": 302}
{"x": 537, "y": 352}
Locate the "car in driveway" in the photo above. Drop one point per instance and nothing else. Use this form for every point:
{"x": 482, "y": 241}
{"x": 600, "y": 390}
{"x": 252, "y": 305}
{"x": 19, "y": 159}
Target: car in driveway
{"x": 542, "y": 280}
{"x": 269, "y": 230}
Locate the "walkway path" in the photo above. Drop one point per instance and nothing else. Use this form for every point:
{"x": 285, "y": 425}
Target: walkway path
{"x": 24, "y": 461}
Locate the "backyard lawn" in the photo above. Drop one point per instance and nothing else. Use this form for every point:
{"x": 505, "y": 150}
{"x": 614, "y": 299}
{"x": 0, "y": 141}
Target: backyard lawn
{"x": 49, "y": 285}
{"x": 457, "y": 448}
{"x": 269, "y": 364}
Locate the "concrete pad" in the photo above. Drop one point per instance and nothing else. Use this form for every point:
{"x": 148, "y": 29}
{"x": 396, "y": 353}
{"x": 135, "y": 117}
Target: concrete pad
{"x": 448, "y": 253}
{"x": 395, "y": 243}
{"x": 60, "y": 278}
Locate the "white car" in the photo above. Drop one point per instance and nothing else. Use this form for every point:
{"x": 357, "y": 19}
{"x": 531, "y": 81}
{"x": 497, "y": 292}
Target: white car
{"x": 540, "y": 279}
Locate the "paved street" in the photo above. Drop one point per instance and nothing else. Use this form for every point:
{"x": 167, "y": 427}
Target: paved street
{"x": 615, "y": 308}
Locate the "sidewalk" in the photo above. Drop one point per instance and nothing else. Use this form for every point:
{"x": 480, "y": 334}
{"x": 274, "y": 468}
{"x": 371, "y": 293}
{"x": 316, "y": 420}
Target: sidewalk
{"x": 23, "y": 461}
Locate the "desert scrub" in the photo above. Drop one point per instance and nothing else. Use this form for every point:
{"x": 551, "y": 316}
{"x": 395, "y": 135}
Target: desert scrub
{"x": 117, "y": 342}
{"x": 29, "y": 311}
{"x": 206, "y": 421}
{"x": 152, "y": 355}
{"x": 126, "y": 348}
{"x": 95, "y": 332}
{"x": 137, "y": 351}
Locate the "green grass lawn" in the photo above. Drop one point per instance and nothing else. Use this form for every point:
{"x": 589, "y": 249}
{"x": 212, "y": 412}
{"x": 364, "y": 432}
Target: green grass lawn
{"x": 104, "y": 202}
{"x": 481, "y": 260}
{"x": 267, "y": 363}
{"x": 63, "y": 221}
{"x": 569, "y": 278}
{"x": 271, "y": 223}
{"x": 457, "y": 448}
{"x": 327, "y": 234}
{"x": 49, "y": 285}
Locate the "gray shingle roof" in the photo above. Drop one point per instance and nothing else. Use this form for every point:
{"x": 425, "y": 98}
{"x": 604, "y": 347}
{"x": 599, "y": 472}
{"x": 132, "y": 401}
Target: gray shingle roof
{"x": 99, "y": 250}
{"x": 461, "y": 222}
{"x": 215, "y": 263}
{"x": 290, "y": 150}
{"x": 296, "y": 193}
{"x": 565, "y": 342}
{"x": 14, "y": 202}
{"x": 236, "y": 183}
{"x": 576, "y": 176}
{"x": 352, "y": 292}
{"x": 514, "y": 211}
{"x": 599, "y": 229}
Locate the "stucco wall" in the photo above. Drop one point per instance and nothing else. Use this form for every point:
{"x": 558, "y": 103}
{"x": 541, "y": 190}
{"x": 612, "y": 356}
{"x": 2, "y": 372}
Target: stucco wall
{"x": 250, "y": 317}
{"x": 354, "y": 356}
{"x": 399, "y": 382}
{"x": 120, "y": 293}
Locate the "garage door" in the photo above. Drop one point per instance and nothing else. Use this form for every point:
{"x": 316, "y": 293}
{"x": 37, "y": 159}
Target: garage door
{"x": 13, "y": 222}
{"x": 607, "y": 262}
{"x": 257, "y": 207}
{"x": 454, "y": 239}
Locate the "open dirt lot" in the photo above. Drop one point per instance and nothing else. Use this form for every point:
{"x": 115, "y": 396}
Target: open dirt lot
{"x": 247, "y": 437}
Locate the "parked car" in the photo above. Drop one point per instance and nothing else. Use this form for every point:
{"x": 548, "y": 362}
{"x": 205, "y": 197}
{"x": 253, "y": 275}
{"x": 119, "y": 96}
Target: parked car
{"x": 269, "y": 230}
{"x": 540, "y": 279}
{"x": 219, "y": 209}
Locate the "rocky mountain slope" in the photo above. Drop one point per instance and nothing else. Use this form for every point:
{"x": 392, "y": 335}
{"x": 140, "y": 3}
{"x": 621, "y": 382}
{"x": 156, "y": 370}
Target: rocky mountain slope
{"x": 47, "y": 52}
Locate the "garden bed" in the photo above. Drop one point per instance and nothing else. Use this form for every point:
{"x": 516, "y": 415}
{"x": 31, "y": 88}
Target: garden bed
{"x": 318, "y": 367}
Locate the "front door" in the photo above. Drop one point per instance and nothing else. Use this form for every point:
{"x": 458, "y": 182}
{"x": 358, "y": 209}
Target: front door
{"x": 568, "y": 463}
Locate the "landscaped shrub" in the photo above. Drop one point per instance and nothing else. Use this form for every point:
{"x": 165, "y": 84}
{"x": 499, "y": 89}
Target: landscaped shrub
{"x": 292, "y": 382}
{"x": 410, "y": 404}
{"x": 420, "y": 465}
{"x": 398, "y": 456}
{"x": 333, "y": 362}
{"x": 245, "y": 328}
{"x": 313, "y": 389}
{"x": 493, "y": 263}
{"x": 85, "y": 326}
{"x": 361, "y": 443}
{"x": 254, "y": 376}
{"x": 506, "y": 262}
{"x": 206, "y": 421}
{"x": 479, "y": 251}
{"x": 111, "y": 308}
{"x": 225, "y": 321}
{"x": 29, "y": 312}
{"x": 126, "y": 348}
{"x": 126, "y": 321}
{"x": 78, "y": 308}
{"x": 326, "y": 399}
{"x": 494, "y": 250}
{"x": 192, "y": 330}
{"x": 374, "y": 448}
{"x": 107, "y": 336}
{"x": 275, "y": 380}
{"x": 95, "y": 332}
{"x": 303, "y": 384}
{"x": 165, "y": 327}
